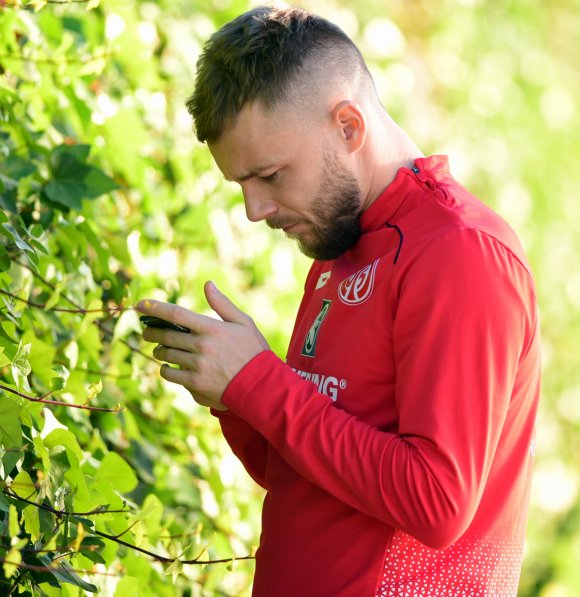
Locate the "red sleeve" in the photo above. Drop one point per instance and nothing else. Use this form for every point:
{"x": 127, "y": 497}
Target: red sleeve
{"x": 246, "y": 443}
{"x": 465, "y": 310}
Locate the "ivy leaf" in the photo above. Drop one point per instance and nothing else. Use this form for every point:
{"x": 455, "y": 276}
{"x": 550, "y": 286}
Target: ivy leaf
{"x": 66, "y": 159}
{"x": 32, "y": 522}
{"x": 16, "y": 167}
{"x": 17, "y": 238}
{"x": 65, "y": 573}
{"x": 94, "y": 390}
{"x": 24, "y": 486}
{"x": 66, "y": 192}
{"x": 4, "y": 259}
{"x": 11, "y": 170}
{"x": 98, "y": 183}
{"x": 175, "y": 569}
{"x": 13, "y": 526}
{"x": 115, "y": 470}
{"x": 4, "y": 360}
{"x": 12, "y": 562}
{"x": 10, "y": 431}
{"x": 20, "y": 366}
{"x": 73, "y": 179}
{"x": 58, "y": 382}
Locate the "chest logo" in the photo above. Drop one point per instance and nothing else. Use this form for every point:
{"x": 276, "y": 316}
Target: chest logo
{"x": 309, "y": 347}
{"x": 357, "y": 288}
{"x": 322, "y": 280}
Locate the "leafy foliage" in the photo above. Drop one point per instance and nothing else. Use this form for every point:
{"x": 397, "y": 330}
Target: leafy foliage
{"x": 112, "y": 480}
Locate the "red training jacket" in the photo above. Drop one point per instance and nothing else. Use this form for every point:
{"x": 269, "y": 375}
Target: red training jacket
{"x": 396, "y": 443}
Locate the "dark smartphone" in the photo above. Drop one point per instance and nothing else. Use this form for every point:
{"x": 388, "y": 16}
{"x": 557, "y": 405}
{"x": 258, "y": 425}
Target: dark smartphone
{"x": 155, "y": 322}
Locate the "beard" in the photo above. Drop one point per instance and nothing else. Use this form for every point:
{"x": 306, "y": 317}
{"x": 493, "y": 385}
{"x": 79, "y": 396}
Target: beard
{"x": 336, "y": 207}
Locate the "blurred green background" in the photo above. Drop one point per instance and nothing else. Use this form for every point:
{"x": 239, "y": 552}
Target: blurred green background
{"x": 495, "y": 85}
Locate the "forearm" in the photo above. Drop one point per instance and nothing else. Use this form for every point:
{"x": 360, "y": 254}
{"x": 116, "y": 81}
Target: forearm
{"x": 405, "y": 483}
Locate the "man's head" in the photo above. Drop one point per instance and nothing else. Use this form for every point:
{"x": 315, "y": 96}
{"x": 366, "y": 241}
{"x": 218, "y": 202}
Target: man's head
{"x": 274, "y": 56}
{"x": 278, "y": 98}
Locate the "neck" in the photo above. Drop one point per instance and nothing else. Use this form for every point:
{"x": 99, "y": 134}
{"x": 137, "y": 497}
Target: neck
{"x": 388, "y": 149}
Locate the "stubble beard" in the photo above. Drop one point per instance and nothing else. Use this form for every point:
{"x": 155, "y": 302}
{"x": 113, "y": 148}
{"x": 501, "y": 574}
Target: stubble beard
{"x": 336, "y": 208}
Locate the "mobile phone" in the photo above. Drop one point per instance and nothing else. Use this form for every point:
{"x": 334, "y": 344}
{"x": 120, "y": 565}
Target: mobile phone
{"x": 155, "y": 322}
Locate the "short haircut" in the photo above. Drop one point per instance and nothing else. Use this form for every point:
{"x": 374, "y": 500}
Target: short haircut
{"x": 273, "y": 55}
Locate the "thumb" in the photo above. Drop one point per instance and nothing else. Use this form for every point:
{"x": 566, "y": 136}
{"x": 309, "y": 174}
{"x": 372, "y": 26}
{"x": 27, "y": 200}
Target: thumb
{"x": 223, "y": 306}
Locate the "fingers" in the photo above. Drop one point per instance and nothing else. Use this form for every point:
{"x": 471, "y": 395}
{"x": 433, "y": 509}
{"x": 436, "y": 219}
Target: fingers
{"x": 223, "y": 306}
{"x": 170, "y": 338}
{"x": 176, "y": 314}
{"x": 182, "y": 358}
{"x": 184, "y": 378}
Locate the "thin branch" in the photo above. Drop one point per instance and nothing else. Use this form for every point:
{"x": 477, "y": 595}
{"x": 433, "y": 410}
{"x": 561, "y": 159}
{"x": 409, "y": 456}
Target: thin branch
{"x": 80, "y": 311}
{"x": 101, "y": 326}
{"x": 43, "y": 400}
{"x": 165, "y": 560}
{"x": 34, "y": 568}
{"x": 62, "y": 513}
{"x": 116, "y": 538}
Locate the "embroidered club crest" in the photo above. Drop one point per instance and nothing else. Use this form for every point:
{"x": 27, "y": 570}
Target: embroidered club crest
{"x": 309, "y": 347}
{"x": 357, "y": 288}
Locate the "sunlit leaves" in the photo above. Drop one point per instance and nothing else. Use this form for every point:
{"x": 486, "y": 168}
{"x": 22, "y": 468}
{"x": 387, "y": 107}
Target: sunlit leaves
{"x": 73, "y": 178}
{"x": 114, "y": 470}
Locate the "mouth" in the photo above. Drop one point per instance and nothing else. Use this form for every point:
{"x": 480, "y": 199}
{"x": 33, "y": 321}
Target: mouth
{"x": 290, "y": 228}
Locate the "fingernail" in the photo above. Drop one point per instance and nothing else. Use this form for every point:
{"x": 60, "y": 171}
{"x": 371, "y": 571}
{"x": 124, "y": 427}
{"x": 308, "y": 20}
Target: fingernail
{"x": 144, "y": 304}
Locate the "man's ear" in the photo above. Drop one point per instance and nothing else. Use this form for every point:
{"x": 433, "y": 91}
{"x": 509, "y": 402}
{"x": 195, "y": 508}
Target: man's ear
{"x": 351, "y": 121}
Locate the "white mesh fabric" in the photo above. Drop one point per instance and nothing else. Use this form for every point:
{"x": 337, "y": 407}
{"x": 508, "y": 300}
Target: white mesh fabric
{"x": 471, "y": 567}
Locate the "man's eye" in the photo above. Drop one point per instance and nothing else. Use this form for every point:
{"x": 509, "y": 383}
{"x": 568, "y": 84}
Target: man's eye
{"x": 271, "y": 177}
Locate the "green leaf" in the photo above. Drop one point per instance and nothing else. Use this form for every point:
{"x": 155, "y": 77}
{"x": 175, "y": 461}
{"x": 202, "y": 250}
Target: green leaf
{"x": 4, "y": 360}
{"x": 58, "y": 382}
{"x": 73, "y": 179}
{"x": 98, "y": 183}
{"x": 66, "y": 192}
{"x": 95, "y": 557}
{"x": 24, "y": 486}
{"x": 13, "y": 526}
{"x": 175, "y": 569}
{"x": 41, "y": 356}
{"x": 32, "y": 522}
{"x": 12, "y": 562}
{"x": 16, "y": 167}
{"x": 59, "y": 466}
{"x": 116, "y": 471}
{"x": 62, "y": 437}
{"x": 20, "y": 366}
{"x": 10, "y": 431}
{"x": 65, "y": 573}
{"x": 17, "y": 238}
{"x": 67, "y": 161}
{"x": 94, "y": 390}
{"x": 4, "y": 259}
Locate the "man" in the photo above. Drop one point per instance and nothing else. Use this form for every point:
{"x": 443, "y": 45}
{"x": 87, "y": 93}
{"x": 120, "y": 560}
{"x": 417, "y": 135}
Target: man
{"x": 395, "y": 443}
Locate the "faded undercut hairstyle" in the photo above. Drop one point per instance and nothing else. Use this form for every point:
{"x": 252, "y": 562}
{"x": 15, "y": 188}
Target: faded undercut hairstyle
{"x": 273, "y": 55}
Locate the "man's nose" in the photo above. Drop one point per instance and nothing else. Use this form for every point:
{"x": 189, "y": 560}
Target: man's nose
{"x": 259, "y": 205}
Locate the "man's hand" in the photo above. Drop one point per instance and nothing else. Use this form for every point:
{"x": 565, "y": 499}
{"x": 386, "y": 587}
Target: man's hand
{"x": 212, "y": 354}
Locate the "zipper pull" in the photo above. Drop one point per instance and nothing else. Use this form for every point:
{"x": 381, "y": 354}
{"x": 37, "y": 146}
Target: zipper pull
{"x": 420, "y": 175}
